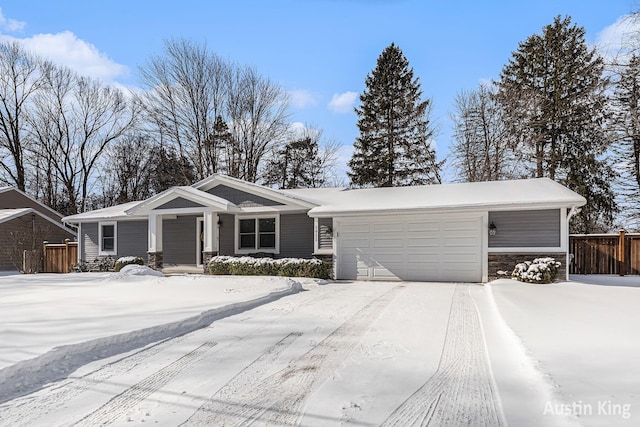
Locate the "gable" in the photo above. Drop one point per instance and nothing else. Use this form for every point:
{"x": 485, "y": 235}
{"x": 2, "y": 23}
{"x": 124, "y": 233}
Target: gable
{"x": 11, "y": 198}
{"x": 241, "y": 198}
{"x": 180, "y": 202}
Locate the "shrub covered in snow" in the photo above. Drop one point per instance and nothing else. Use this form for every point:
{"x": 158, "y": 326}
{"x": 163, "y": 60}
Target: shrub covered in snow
{"x": 290, "y": 267}
{"x": 127, "y": 260}
{"x": 540, "y": 270}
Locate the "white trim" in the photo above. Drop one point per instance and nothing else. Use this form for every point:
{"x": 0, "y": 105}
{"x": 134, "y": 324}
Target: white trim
{"x": 199, "y": 242}
{"x": 259, "y": 190}
{"x": 24, "y": 211}
{"x": 194, "y": 195}
{"x": 528, "y": 249}
{"x": 236, "y": 237}
{"x": 115, "y": 238}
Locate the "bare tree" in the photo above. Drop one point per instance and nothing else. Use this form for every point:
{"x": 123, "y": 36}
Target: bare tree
{"x": 483, "y": 149}
{"x": 20, "y": 79}
{"x": 74, "y": 119}
{"x": 259, "y": 120}
{"x": 186, "y": 93}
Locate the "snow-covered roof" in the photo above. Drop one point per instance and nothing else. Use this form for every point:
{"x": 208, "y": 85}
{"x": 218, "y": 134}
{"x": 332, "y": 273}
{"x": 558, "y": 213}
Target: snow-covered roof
{"x": 113, "y": 212}
{"x": 9, "y": 214}
{"x": 534, "y": 193}
{"x": 318, "y": 196}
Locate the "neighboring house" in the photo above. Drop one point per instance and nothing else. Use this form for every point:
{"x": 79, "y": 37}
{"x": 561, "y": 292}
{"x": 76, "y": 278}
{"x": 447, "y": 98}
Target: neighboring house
{"x": 25, "y": 224}
{"x": 451, "y": 232}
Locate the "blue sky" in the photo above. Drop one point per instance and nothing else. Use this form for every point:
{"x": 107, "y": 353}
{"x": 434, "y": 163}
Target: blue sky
{"x": 318, "y": 50}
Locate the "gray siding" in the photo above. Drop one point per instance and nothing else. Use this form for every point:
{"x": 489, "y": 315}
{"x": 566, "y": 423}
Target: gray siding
{"x": 132, "y": 238}
{"x": 540, "y": 228}
{"x": 241, "y": 198}
{"x": 325, "y": 233}
{"x": 89, "y": 241}
{"x": 180, "y": 202}
{"x": 179, "y": 240}
{"x": 296, "y": 236}
{"x": 226, "y": 235}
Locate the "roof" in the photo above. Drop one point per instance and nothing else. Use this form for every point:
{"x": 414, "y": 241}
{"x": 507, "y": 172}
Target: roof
{"x": 533, "y": 193}
{"x": 42, "y": 205}
{"x": 10, "y": 214}
{"x": 113, "y": 212}
{"x": 189, "y": 193}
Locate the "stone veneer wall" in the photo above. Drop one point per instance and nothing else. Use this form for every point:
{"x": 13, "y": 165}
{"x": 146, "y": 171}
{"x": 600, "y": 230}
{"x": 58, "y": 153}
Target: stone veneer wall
{"x": 206, "y": 257}
{"x": 155, "y": 260}
{"x": 506, "y": 262}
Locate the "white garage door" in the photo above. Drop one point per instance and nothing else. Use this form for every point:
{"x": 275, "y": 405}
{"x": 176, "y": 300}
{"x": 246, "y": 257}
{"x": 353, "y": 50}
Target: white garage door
{"x": 422, "y": 248}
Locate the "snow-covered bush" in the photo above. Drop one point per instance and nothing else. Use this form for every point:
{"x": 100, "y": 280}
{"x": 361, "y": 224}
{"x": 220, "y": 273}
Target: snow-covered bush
{"x": 540, "y": 270}
{"x": 290, "y": 267}
{"x": 127, "y": 260}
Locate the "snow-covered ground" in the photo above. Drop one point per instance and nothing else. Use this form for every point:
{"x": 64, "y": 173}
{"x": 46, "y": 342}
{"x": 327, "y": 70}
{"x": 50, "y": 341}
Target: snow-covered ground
{"x": 340, "y": 353}
{"x": 583, "y": 337}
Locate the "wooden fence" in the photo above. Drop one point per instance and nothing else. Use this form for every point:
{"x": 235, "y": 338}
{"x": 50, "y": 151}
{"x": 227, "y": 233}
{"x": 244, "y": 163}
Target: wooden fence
{"x": 58, "y": 258}
{"x": 605, "y": 254}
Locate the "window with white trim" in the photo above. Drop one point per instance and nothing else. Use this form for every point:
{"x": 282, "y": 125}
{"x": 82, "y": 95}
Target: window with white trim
{"x": 257, "y": 234}
{"x": 107, "y": 238}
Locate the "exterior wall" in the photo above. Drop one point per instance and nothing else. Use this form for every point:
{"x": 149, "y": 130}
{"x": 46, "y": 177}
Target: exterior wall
{"x": 241, "y": 198}
{"x": 527, "y": 229}
{"x": 179, "y": 240}
{"x": 88, "y": 241}
{"x": 506, "y": 262}
{"x": 21, "y": 233}
{"x": 130, "y": 241}
{"x": 296, "y": 236}
{"x": 12, "y": 199}
{"x": 180, "y": 202}
{"x": 132, "y": 238}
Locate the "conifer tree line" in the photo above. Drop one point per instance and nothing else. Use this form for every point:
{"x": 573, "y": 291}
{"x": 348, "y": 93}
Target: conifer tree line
{"x": 557, "y": 110}
{"x": 76, "y": 144}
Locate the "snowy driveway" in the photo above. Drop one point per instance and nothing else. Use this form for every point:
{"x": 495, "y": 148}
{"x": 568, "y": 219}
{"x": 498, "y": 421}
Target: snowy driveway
{"x": 362, "y": 353}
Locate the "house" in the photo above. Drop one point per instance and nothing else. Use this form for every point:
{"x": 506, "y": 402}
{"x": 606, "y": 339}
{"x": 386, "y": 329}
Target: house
{"x": 25, "y": 224}
{"x": 451, "y": 232}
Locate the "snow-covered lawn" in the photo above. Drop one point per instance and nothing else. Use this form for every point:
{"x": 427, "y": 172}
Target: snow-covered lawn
{"x": 94, "y": 315}
{"x": 583, "y": 337}
{"x": 358, "y": 353}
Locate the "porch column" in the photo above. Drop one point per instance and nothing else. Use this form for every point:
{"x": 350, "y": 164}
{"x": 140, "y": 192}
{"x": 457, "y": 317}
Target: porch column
{"x": 210, "y": 248}
{"x": 155, "y": 241}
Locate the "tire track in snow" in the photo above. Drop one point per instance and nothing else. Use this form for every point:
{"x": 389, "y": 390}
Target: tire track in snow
{"x": 461, "y": 392}
{"x": 28, "y": 409}
{"x": 279, "y": 399}
{"x": 24, "y": 414}
{"x": 120, "y": 404}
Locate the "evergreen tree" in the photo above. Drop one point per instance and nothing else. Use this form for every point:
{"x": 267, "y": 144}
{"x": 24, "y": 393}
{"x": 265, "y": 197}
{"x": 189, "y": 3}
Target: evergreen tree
{"x": 394, "y": 146}
{"x": 552, "y": 91}
{"x": 170, "y": 170}
{"x": 296, "y": 165}
{"x": 626, "y": 122}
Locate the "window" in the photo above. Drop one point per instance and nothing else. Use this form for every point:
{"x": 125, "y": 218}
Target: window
{"x": 107, "y": 238}
{"x": 257, "y": 234}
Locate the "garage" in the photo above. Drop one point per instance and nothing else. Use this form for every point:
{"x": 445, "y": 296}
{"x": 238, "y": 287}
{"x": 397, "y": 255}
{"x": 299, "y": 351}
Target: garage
{"x": 410, "y": 247}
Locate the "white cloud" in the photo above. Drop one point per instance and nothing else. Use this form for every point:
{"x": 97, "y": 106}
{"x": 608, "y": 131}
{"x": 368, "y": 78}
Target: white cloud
{"x": 301, "y": 98}
{"x": 12, "y": 25}
{"x": 66, "y": 49}
{"x": 618, "y": 39}
{"x": 343, "y": 102}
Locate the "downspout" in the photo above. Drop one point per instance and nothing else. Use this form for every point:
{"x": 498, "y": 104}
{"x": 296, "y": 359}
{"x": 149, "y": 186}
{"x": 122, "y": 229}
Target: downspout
{"x": 572, "y": 212}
